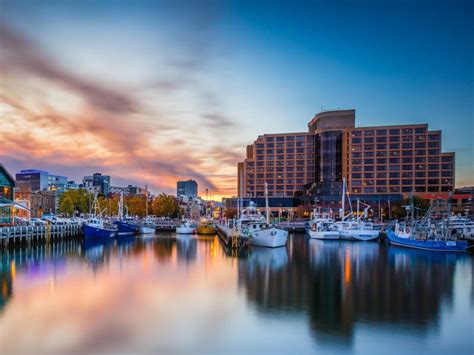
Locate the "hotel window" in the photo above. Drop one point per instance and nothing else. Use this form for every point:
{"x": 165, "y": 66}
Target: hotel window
{"x": 447, "y": 181}
{"x": 356, "y": 140}
{"x": 368, "y": 182}
{"x": 420, "y": 160}
{"x": 394, "y": 175}
{"x": 270, "y": 145}
{"x": 290, "y": 187}
{"x": 260, "y": 176}
{"x": 259, "y": 170}
{"x": 290, "y": 138}
{"x": 368, "y": 154}
{"x": 356, "y": 154}
{"x": 407, "y": 131}
{"x": 433, "y": 166}
{"x": 300, "y": 162}
{"x": 280, "y": 139}
{"x": 407, "y": 145}
{"x": 394, "y": 139}
{"x": 433, "y": 182}
{"x": 381, "y": 175}
{"x": 420, "y": 181}
{"x": 368, "y": 140}
{"x": 368, "y": 189}
{"x": 420, "y": 138}
{"x": 260, "y": 181}
{"x": 356, "y": 148}
{"x": 290, "y": 150}
{"x": 381, "y": 132}
{"x": 368, "y": 175}
{"x": 381, "y": 160}
{"x": 406, "y": 182}
{"x": 357, "y": 176}
{"x": 280, "y": 169}
{"x": 300, "y": 168}
{"x": 446, "y": 166}
{"x": 381, "y": 139}
{"x": 289, "y": 169}
{"x": 300, "y": 144}
{"x": 290, "y": 144}
{"x": 420, "y": 130}
{"x": 406, "y": 153}
{"x": 406, "y": 167}
{"x": 269, "y": 139}
{"x": 381, "y": 146}
{"x": 433, "y": 151}
{"x": 381, "y": 167}
{"x": 279, "y": 181}
{"x": 280, "y": 149}
{"x": 367, "y": 168}
{"x": 269, "y": 170}
{"x": 407, "y": 160}
{"x": 355, "y": 190}
{"x": 433, "y": 174}
{"x": 394, "y": 167}
{"x": 447, "y": 173}
{"x": 259, "y": 151}
{"x": 300, "y": 138}
{"x": 356, "y": 183}
{"x": 310, "y": 175}
{"x": 420, "y": 152}
{"x": 381, "y": 154}
{"x": 357, "y": 168}
{"x": 280, "y": 157}
{"x": 420, "y": 167}
{"x": 299, "y": 150}
{"x": 394, "y": 153}
{"x": 381, "y": 189}
{"x": 269, "y": 175}
{"x": 290, "y": 157}
{"x": 356, "y": 133}
{"x": 394, "y": 160}
{"x": 280, "y": 163}
{"x": 393, "y": 189}
{"x": 270, "y": 163}
{"x": 420, "y": 145}
{"x": 300, "y": 175}
{"x": 433, "y": 145}
{"x": 260, "y": 145}
{"x": 420, "y": 174}
{"x": 300, "y": 181}
{"x": 407, "y": 138}
{"x": 368, "y": 161}
{"x": 369, "y": 147}
{"x": 433, "y": 137}
{"x": 407, "y": 174}
{"x": 406, "y": 189}
{"x": 368, "y": 133}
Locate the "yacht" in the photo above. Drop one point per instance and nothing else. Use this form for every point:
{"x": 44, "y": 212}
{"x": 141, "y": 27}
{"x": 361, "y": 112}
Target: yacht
{"x": 185, "y": 227}
{"x": 322, "y": 227}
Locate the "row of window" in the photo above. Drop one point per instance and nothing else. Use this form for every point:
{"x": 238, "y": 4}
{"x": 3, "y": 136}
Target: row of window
{"x": 405, "y": 174}
{"x": 289, "y": 177}
{"x": 392, "y": 131}
{"x": 392, "y": 139}
{"x": 371, "y": 154}
{"x": 298, "y": 138}
{"x": 358, "y": 183}
{"x": 397, "y": 189}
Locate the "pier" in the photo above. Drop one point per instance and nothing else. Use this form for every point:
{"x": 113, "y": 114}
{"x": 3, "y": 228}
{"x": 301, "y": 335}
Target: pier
{"x": 231, "y": 237}
{"x": 20, "y": 235}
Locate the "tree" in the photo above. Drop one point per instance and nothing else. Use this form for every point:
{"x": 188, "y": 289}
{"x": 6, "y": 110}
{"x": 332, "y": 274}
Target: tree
{"x": 136, "y": 205}
{"x": 74, "y": 200}
{"x": 165, "y": 206}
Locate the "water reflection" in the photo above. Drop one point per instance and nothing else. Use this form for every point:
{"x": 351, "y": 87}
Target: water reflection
{"x": 147, "y": 292}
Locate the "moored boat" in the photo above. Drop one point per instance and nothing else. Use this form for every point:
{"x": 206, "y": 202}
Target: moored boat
{"x": 206, "y": 229}
{"x": 96, "y": 228}
{"x": 186, "y": 227}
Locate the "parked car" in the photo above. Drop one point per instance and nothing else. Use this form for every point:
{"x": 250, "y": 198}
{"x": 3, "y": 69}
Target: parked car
{"x": 37, "y": 222}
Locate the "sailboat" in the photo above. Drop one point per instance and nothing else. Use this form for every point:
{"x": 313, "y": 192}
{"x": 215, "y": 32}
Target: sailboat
{"x": 265, "y": 235}
{"x": 322, "y": 227}
{"x": 95, "y": 227}
{"x": 147, "y": 226}
{"x": 125, "y": 228}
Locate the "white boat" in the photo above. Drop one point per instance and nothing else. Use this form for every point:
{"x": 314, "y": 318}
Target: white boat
{"x": 260, "y": 232}
{"x": 186, "y": 227}
{"x": 322, "y": 227}
{"x": 462, "y": 226}
{"x": 146, "y": 229}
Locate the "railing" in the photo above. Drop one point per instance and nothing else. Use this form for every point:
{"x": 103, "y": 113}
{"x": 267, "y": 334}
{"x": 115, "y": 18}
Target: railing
{"x": 47, "y": 232}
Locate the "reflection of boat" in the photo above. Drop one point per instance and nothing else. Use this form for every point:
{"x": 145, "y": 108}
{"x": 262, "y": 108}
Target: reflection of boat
{"x": 186, "y": 247}
{"x": 186, "y": 227}
{"x": 266, "y": 258}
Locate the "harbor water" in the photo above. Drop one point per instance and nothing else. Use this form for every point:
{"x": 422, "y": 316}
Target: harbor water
{"x": 185, "y": 294}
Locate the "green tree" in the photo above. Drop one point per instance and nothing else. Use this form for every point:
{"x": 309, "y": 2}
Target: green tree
{"x": 74, "y": 200}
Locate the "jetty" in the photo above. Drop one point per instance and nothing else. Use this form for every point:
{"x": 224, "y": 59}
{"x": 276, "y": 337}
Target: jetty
{"x": 231, "y": 237}
{"x": 20, "y": 235}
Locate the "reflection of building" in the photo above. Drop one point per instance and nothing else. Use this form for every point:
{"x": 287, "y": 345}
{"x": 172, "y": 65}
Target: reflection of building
{"x": 7, "y": 185}
{"x": 340, "y": 284}
{"x": 187, "y": 188}
{"x": 385, "y": 161}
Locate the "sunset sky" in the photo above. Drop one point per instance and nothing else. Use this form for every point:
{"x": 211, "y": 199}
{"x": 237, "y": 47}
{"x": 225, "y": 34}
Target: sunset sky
{"x": 155, "y": 91}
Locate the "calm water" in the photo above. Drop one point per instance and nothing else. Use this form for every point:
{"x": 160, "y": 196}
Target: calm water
{"x": 168, "y": 294}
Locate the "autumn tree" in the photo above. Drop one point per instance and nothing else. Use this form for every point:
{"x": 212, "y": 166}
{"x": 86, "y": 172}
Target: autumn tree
{"x": 165, "y": 206}
{"x": 74, "y": 200}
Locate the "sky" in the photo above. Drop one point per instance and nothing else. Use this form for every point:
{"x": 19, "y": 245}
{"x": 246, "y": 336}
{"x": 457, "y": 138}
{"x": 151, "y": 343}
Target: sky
{"x": 155, "y": 91}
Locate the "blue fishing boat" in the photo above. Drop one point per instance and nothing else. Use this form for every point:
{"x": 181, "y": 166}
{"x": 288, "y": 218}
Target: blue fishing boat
{"x": 427, "y": 244}
{"x": 96, "y": 228}
{"x": 126, "y": 228}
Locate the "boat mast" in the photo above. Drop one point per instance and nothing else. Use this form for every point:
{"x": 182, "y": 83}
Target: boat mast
{"x": 343, "y": 198}
{"x": 120, "y": 209}
{"x": 267, "y": 216}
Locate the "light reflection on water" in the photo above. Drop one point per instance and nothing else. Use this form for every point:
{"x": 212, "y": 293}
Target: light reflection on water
{"x": 171, "y": 294}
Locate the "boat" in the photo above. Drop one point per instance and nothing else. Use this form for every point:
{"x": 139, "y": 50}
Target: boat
{"x": 424, "y": 234}
{"x": 95, "y": 226}
{"x": 206, "y": 229}
{"x": 260, "y": 232}
{"x": 185, "y": 227}
{"x": 322, "y": 227}
{"x": 146, "y": 228}
{"x": 463, "y": 226}
{"x": 125, "y": 227}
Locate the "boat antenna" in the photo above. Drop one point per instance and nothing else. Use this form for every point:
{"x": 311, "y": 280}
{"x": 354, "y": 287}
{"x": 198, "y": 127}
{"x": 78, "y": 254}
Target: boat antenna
{"x": 267, "y": 215}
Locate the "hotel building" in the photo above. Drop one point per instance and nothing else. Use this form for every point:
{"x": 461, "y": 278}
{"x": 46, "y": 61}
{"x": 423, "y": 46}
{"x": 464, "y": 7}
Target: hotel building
{"x": 383, "y": 162}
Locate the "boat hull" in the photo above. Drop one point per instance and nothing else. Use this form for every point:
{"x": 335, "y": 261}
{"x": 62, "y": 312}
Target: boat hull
{"x": 270, "y": 238}
{"x": 184, "y": 230}
{"x": 206, "y": 230}
{"x": 125, "y": 228}
{"x": 146, "y": 230}
{"x": 94, "y": 232}
{"x": 431, "y": 245}
{"x": 324, "y": 235}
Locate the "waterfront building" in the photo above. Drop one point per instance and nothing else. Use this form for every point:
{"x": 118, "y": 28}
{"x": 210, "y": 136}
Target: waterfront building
{"x": 379, "y": 163}
{"x": 129, "y": 190}
{"x": 97, "y": 182}
{"x": 7, "y": 186}
{"x": 38, "y": 202}
{"x": 187, "y": 188}
{"x": 38, "y": 180}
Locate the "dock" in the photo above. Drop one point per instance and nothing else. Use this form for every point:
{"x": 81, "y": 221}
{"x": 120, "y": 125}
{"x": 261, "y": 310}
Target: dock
{"x": 293, "y": 226}
{"x": 231, "y": 238}
{"x": 166, "y": 225}
{"x": 21, "y": 235}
